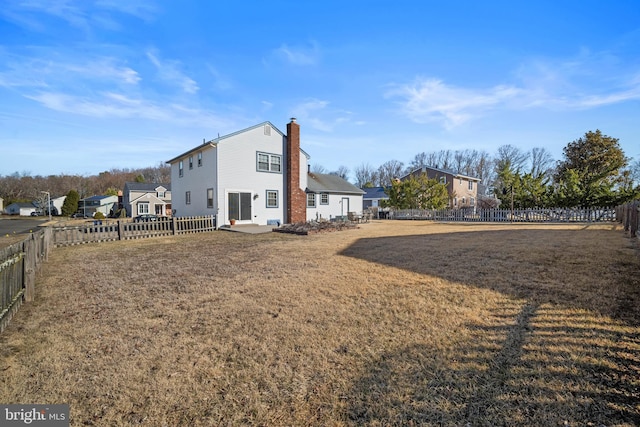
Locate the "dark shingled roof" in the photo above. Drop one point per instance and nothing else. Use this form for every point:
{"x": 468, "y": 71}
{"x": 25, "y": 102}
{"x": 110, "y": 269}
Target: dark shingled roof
{"x": 325, "y": 183}
{"x": 145, "y": 186}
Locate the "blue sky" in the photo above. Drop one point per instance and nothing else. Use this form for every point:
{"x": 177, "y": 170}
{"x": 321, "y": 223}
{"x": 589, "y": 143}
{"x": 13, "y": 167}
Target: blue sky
{"x": 87, "y": 86}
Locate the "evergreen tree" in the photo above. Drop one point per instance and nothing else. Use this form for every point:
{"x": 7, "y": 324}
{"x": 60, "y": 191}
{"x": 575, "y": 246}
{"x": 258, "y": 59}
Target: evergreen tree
{"x": 70, "y": 205}
{"x": 591, "y": 172}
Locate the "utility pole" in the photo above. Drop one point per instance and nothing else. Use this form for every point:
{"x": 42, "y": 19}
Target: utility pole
{"x": 511, "y": 202}
{"x": 48, "y": 202}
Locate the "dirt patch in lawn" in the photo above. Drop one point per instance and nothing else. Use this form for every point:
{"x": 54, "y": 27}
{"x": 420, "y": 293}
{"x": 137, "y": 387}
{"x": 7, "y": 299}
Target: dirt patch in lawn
{"x": 392, "y": 323}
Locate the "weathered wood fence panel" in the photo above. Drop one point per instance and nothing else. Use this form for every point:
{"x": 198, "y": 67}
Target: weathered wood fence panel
{"x": 19, "y": 264}
{"x": 507, "y": 215}
{"x": 103, "y": 231}
{"x": 629, "y": 216}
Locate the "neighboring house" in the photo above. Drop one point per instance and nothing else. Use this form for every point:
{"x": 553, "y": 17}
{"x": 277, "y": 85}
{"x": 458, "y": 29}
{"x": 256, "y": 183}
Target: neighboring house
{"x": 258, "y": 175}
{"x": 90, "y": 205}
{"x": 22, "y": 209}
{"x": 56, "y": 205}
{"x": 330, "y": 196}
{"x": 462, "y": 189}
{"x": 140, "y": 198}
{"x": 373, "y": 197}
{"x": 1, "y": 205}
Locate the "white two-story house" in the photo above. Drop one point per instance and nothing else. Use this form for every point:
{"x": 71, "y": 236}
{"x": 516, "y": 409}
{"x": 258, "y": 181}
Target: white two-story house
{"x": 258, "y": 175}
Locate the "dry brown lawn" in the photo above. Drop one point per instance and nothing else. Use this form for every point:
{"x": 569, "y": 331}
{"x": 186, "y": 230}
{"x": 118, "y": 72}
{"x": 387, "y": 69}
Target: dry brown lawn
{"x": 392, "y": 324}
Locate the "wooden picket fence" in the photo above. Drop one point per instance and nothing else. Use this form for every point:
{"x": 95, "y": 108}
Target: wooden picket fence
{"x": 19, "y": 264}
{"x": 508, "y": 215}
{"x": 109, "y": 230}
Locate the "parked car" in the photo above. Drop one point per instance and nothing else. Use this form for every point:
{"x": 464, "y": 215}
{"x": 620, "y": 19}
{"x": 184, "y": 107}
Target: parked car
{"x": 80, "y": 215}
{"x": 37, "y": 213}
{"x": 146, "y": 218}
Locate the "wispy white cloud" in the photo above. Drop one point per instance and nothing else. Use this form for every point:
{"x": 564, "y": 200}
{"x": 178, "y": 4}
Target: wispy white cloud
{"x": 316, "y": 114}
{"x": 170, "y": 72}
{"x": 299, "y": 55}
{"x": 83, "y": 15}
{"x": 583, "y": 82}
{"x": 219, "y": 81}
{"x": 112, "y": 105}
{"x": 431, "y": 100}
{"x": 40, "y": 69}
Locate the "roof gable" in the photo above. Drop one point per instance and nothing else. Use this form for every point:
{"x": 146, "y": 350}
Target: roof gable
{"x": 374, "y": 193}
{"x": 441, "y": 171}
{"x": 214, "y": 142}
{"x": 146, "y": 186}
{"x": 326, "y": 183}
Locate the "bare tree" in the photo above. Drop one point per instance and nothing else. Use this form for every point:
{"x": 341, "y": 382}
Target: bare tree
{"x": 512, "y": 157}
{"x": 420, "y": 160}
{"x": 316, "y": 168}
{"x": 483, "y": 168}
{"x": 365, "y": 175}
{"x": 442, "y": 159}
{"x": 541, "y": 161}
{"x": 388, "y": 171}
{"x": 342, "y": 172}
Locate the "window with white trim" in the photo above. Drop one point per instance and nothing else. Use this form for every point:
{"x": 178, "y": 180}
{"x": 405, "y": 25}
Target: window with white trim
{"x": 272, "y": 198}
{"x": 470, "y": 185}
{"x": 324, "y": 198}
{"x": 311, "y": 200}
{"x": 269, "y": 162}
{"x": 187, "y": 198}
{"x": 200, "y": 159}
{"x": 143, "y": 208}
{"x": 160, "y": 194}
{"x": 180, "y": 168}
{"x": 210, "y": 198}
{"x": 190, "y": 162}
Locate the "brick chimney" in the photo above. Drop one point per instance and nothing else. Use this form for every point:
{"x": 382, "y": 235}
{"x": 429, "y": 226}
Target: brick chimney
{"x": 296, "y": 197}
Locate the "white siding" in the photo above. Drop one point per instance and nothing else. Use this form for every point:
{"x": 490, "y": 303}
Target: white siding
{"x": 195, "y": 180}
{"x": 238, "y": 172}
{"x": 231, "y": 166}
{"x": 335, "y": 207}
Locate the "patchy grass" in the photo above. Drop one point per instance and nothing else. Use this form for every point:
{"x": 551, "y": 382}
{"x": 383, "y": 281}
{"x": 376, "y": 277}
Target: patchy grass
{"x": 393, "y": 323}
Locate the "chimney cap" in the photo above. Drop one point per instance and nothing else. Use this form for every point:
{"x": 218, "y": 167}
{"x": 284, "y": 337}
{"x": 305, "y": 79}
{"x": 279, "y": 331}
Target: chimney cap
{"x": 293, "y": 119}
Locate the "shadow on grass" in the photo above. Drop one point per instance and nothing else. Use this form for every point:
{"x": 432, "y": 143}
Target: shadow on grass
{"x": 570, "y": 356}
{"x": 568, "y": 267}
{"x": 517, "y": 375}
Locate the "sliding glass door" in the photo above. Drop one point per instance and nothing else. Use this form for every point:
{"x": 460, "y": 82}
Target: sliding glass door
{"x": 239, "y": 206}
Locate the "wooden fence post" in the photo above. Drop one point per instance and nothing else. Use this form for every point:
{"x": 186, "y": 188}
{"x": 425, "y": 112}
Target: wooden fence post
{"x": 174, "y": 225}
{"x": 29, "y": 272}
{"x": 120, "y": 230}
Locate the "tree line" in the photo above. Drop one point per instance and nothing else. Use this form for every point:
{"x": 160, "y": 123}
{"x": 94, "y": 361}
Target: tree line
{"x": 594, "y": 171}
{"x": 24, "y": 187}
